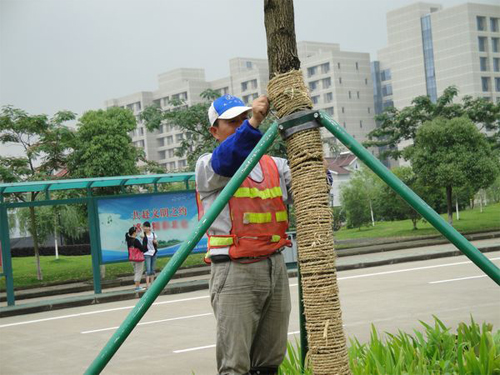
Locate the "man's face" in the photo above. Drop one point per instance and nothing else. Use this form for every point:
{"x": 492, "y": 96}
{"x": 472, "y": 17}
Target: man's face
{"x": 226, "y": 128}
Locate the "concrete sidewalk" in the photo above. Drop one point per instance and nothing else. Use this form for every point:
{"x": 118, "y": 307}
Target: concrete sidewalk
{"x": 186, "y": 280}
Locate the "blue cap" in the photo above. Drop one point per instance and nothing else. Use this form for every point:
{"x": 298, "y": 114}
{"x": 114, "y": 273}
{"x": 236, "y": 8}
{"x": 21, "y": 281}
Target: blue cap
{"x": 226, "y": 107}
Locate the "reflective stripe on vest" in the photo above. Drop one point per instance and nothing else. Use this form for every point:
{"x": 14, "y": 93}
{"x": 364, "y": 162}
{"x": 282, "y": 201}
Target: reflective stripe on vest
{"x": 252, "y": 192}
{"x": 281, "y": 216}
{"x": 216, "y": 241}
{"x": 257, "y": 217}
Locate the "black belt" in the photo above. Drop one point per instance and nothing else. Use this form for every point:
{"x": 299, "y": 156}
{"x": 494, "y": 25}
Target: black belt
{"x": 221, "y": 258}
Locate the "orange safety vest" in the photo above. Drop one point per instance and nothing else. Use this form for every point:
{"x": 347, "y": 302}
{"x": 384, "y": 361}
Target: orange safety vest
{"x": 258, "y": 216}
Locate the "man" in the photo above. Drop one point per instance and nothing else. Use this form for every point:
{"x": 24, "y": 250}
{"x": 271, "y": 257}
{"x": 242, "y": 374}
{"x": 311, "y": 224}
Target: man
{"x": 249, "y": 287}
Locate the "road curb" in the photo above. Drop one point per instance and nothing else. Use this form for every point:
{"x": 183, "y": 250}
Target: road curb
{"x": 190, "y": 286}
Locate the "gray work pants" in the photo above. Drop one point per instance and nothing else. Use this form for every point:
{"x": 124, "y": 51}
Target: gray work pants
{"x": 251, "y": 303}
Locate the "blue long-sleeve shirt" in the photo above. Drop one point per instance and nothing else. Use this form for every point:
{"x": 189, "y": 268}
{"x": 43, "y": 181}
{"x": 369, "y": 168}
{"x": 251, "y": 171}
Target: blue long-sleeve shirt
{"x": 232, "y": 152}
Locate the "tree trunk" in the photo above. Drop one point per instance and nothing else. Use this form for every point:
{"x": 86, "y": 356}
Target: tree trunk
{"x": 480, "y": 202}
{"x": 456, "y": 209}
{"x": 371, "y": 212}
{"x": 449, "y": 204}
{"x": 316, "y": 255}
{"x": 34, "y": 236}
{"x": 414, "y": 220}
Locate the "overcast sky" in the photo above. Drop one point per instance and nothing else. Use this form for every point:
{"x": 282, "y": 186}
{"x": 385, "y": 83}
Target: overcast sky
{"x": 74, "y": 54}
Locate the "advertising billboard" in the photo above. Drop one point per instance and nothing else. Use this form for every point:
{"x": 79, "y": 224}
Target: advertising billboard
{"x": 173, "y": 216}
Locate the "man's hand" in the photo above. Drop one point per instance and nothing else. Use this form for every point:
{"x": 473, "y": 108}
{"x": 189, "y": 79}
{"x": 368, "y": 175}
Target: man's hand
{"x": 260, "y": 107}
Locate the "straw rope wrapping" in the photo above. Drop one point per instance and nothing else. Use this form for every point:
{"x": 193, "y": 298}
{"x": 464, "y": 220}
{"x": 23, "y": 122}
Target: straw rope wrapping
{"x": 327, "y": 343}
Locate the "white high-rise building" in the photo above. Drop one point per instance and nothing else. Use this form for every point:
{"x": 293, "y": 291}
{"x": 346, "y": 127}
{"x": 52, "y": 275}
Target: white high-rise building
{"x": 339, "y": 82}
{"x": 431, "y": 48}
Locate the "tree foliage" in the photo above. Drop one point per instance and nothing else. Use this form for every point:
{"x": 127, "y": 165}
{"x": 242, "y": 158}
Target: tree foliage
{"x": 397, "y": 125}
{"x": 453, "y": 154}
{"x": 356, "y": 202}
{"x": 102, "y": 145}
{"x": 45, "y": 143}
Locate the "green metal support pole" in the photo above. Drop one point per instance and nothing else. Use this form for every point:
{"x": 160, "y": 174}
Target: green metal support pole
{"x": 411, "y": 198}
{"x": 180, "y": 256}
{"x": 94, "y": 251}
{"x": 6, "y": 256}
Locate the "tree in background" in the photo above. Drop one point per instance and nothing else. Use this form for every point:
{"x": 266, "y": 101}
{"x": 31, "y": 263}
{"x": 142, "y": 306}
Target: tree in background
{"x": 356, "y": 202}
{"x": 493, "y": 191}
{"x": 192, "y": 120}
{"x": 46, "y": 145}
{"x": 453, "y": 154}
{"x": 401, "y": 125}
{"x": 390, "y": 206}
{"x": 102, "y": 145}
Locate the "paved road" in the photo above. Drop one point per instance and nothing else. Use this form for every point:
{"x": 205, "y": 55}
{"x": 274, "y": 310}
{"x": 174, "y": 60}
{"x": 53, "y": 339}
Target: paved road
{"x": 177, "y": 335}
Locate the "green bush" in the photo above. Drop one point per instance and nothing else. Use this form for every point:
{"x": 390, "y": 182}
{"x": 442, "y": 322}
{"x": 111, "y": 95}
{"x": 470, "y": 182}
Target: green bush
{"x": 472, "y": 350}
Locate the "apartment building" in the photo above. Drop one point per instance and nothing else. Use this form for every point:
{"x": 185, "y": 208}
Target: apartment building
{"x": 339, "y": 82}
{"x": 431, "y": 48}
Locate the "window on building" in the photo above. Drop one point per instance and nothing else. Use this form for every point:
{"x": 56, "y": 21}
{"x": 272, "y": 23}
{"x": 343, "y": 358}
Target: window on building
{"x": 483, "y": 43}
{"x": 325, "y": 68}
{"x": 357, "y": 66}
{"x": 315, "y": 99}
{"x": 481, "y": 23}
{"x": 357, "y": 94}
{"x": 326, "y": 82}
{"x": 170, "y": 139}
{"x": 165, "y": 101}
{"x": 313, "y": 85}
{"x": 366, "y": 81}
{"x": 483, "y": 64}
{"x": 182, "y": 163}
{"x": 171, "y": 153}
{"x": 385, "y": 75}
{"x": 338, "y": 65}
{"x": 328, "y": 97}
{"x": 340, "y": 80}
{"x": 369, "y": 110}
{"x": 179, "y": 137}
{"x": 161, "y": 142}
{"x": 244, "y": 86}
{"x": 387, "y": 104}
{"x": 497, "y": 84}
{"x": 329, "y": 110}
{"x": 141, "y": 131}
{"x": 488, "y": 98}
{"x": 485, "y": 84}
{"x": 344, "y": 125}
{"x": 171, "y": 165}
{"x": 246, "y": 98}
{"x": 253, "y": 82}
{"x": 343, "y": 110}
{"x": 360, "y": 123}
{"x": 349, "y": 95}
{"x": 161, "y": 155}
{"x": 249, "y": 65}
{"x": 496, "y": 64}
{"x": 386, "y": 90}
{"x": 312, "y": 71}
{"x": 255, "y": 96}
{"x": 494, "y": 24}
{"x": 495, "y": 44}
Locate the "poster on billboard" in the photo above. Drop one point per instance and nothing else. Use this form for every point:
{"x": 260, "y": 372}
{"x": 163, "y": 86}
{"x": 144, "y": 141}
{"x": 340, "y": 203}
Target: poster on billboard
{"x": 173, "y": 216}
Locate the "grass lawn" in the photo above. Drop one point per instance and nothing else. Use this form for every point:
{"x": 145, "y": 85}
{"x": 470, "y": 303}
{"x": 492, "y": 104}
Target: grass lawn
{"x": 68, "y": 268}
{"x": 470, "y": 221}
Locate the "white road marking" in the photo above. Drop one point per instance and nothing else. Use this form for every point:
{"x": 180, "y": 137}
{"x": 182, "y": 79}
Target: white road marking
{"x": 212, "y": 346}
{"x": 203, "y": 297}
{"x": 98, "y": 312}
{"x": 461, "y": 278}
{"x": 151, "y": 322}
{"x": 404, "y": 270}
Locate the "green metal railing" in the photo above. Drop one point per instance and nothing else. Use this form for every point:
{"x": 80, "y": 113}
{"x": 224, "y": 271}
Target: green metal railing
{"x": 166, "y": 274}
